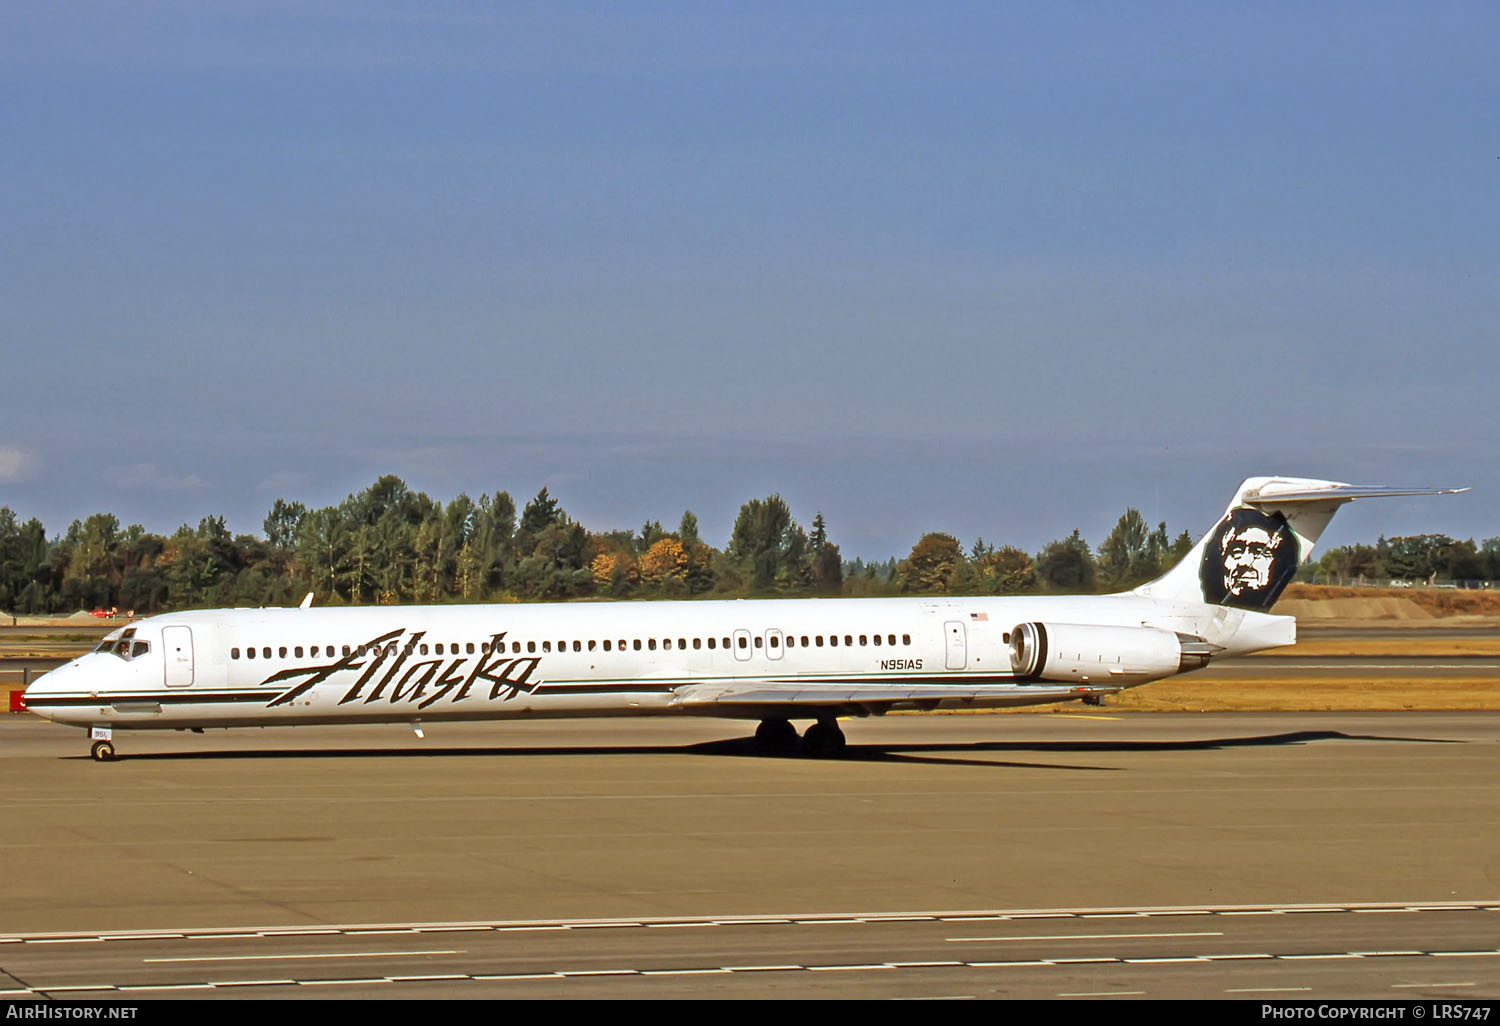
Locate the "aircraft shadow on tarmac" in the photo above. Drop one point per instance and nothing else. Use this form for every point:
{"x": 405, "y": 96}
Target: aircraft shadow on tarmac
{"x": 958, "y": 754}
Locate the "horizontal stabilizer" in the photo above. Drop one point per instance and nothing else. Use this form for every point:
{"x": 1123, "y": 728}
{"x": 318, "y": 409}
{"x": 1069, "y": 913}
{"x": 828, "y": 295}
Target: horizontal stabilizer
{"x": 1270, "y": 495}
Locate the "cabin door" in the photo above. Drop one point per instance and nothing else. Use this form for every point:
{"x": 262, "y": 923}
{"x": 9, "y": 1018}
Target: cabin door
{"x": 177, "y": 651}
{"x": 958, "y": 644}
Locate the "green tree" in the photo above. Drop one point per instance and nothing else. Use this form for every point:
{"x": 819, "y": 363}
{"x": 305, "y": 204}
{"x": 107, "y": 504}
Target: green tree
{"x": 1067, "y": 565}
{"x": 282, "y": 522}
{"x": 932, "y": 566}
{"x": 758, "y": 543}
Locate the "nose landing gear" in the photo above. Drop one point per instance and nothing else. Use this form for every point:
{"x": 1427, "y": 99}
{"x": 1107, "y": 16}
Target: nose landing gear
{"x": 103, "y": 751}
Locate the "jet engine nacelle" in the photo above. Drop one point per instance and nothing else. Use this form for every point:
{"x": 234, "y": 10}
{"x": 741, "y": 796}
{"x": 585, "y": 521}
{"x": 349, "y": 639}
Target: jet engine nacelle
{"x": 1069, "y": 652}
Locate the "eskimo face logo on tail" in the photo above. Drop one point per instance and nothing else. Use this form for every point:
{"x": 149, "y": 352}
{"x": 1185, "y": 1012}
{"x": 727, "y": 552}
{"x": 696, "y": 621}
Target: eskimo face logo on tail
{"x": 1249, "y": 559}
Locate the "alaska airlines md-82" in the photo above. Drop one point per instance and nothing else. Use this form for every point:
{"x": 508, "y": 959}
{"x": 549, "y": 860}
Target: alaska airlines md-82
{"x": 775, "y": 660}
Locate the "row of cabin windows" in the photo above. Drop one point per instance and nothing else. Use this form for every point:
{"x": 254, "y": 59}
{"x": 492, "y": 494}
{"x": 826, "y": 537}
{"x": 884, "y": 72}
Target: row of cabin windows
{"x": 774, "y": 641}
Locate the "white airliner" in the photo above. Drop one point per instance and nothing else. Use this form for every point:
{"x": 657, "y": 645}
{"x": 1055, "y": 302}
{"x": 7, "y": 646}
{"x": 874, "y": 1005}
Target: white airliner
{"x": 774, "y": 661}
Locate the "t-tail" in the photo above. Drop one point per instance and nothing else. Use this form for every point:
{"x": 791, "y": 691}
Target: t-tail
{"x": 1267, "y": 532}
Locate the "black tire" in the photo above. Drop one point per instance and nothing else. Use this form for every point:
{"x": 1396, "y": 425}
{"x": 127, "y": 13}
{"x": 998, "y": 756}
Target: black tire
{"x": 776, "y": 737}
{"x": 823, "y": 739}
{"x": 103, "y": 751}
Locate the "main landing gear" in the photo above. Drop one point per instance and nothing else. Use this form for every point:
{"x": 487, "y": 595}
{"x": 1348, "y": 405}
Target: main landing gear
{"x": 778, "y": 737}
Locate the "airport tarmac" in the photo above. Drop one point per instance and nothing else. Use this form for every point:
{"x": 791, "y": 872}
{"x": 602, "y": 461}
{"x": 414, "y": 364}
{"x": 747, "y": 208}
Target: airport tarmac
{"x": 1158, "y": 855}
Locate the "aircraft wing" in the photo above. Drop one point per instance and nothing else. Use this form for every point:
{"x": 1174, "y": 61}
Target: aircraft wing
{"x": 864, "y": 697}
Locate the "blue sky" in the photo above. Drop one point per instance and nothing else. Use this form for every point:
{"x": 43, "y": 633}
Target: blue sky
{"x": 992, "y": 269}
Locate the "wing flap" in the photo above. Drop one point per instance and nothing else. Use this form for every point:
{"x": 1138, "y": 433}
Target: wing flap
{"x": 762, "y": 693}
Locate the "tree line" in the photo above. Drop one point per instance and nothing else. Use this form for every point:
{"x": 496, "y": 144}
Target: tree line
{"x": 389, "y": 544}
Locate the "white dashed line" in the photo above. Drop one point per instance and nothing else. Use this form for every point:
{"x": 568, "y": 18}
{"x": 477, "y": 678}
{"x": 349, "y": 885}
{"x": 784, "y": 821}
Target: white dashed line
{"x": 1077, "y": 936}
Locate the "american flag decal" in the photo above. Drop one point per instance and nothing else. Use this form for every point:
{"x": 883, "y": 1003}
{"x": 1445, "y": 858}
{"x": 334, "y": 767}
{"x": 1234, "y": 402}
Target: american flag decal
{"x": 979, "y": 616}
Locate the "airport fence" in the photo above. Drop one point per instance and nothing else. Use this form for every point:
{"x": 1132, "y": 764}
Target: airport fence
{"x": 1338, "y": 581}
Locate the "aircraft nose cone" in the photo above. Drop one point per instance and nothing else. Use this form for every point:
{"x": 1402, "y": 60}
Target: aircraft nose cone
{"x": 53, "y": 682}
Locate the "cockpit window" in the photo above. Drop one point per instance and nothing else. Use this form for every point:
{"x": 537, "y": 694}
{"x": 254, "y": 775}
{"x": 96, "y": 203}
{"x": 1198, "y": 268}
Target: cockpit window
{"x": 124, "y": 645}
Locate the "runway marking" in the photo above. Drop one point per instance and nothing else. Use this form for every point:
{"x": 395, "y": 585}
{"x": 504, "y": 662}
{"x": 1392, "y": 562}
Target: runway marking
{"x": 1268, "y": 990}
{"x": 692, "y": 922}
{"x": 1102, "y": 993}
{"x": 59, "y": 940}
{"x": 565, "y": 974}
{"x": 848, "y": 968}
{"x": 1463, "y": 954}
{"x": 517, "y": 976}
{"x": 1078, "y": 936}
{"x": 428, "y": 979}
{"x": 1389, "y": 954}
{"x": 764, "y": 968}
{"x": 277, "y": 958}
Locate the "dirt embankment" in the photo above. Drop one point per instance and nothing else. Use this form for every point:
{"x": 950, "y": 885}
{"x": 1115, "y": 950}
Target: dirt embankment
{"x": 1411, "y": 606}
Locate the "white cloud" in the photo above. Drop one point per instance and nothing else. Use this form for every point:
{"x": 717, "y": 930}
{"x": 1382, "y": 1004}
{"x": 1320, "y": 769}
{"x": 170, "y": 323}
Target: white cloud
{"x": 16, "y": 464}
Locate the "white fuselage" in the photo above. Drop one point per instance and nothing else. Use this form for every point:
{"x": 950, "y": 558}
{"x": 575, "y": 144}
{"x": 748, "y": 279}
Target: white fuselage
{"x": 246, "y": 667}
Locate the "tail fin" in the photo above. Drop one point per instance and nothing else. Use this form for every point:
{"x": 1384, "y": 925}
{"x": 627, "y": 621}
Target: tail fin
{"x": 1269, "y": 529}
